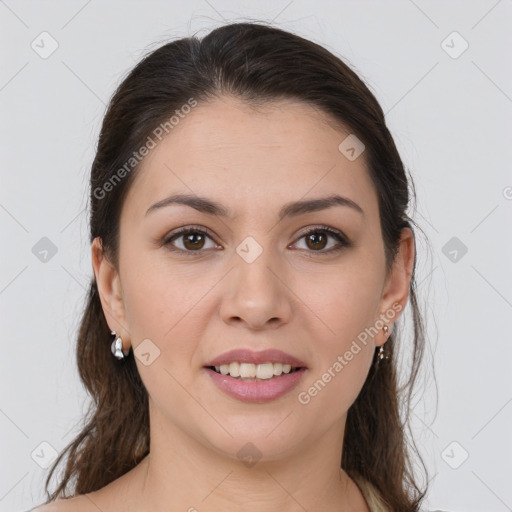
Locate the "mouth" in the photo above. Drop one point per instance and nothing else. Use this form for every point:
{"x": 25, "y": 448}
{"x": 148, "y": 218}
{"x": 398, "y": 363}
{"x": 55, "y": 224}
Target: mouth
{"x": 255, "y": 377}
{"x": 245, "y": 387}
{"x": 250, "y": 372}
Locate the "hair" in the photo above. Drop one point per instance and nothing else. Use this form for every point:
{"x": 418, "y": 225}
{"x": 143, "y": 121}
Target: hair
{"x": 257, "y": 63}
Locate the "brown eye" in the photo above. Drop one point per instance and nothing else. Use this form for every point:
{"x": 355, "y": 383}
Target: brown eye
{"x": 316, "y": 240}
{"x": 192, "y": 240}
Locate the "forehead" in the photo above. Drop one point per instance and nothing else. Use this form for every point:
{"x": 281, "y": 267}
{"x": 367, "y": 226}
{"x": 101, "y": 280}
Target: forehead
{"x": 227, "y": 149}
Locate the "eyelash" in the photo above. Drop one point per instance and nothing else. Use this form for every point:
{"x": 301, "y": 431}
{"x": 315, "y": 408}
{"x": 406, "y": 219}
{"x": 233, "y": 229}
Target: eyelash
{"x": 338, "y": 235}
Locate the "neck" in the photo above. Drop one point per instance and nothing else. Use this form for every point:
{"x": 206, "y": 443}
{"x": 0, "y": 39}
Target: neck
{"x": 181, "y": 473}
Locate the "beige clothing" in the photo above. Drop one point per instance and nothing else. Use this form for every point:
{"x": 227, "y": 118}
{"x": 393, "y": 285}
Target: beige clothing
{"x": 371, "y": 495}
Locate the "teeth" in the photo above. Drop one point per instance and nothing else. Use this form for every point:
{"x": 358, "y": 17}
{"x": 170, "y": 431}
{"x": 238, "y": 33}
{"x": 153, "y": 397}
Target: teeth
{"x": 278, "y": 368}
{"x": 265, "y": 371}
{"x": 247, "y": 370}
{"x": 262, "y": 371}
{"x": 234, "y": 369}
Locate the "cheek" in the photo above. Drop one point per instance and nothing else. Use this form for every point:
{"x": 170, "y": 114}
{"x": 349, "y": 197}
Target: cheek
{"x": 343, "y": 353}
{"x": 330, "y": 392}
{"x": 343, "y": 300}
{"x": 161, "y": 304}
{"x": 158, "y": 295}
{"x": 167, "y": 303}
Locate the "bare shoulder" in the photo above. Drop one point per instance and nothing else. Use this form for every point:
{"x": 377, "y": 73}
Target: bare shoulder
{"x": 76, "y": 504}
{"x": 118, "y": 495}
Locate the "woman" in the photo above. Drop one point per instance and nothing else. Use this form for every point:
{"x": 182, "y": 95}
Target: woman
{"x": 252, "y": 256}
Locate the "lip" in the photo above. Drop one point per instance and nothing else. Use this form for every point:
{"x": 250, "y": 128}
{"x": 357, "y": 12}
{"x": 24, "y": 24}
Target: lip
{"x": 256, "y": 391}
{"x": 250, "y": 356}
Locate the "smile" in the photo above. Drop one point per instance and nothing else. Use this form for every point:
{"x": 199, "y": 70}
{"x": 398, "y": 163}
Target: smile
{"x": 254, "y": 372}
{"x": 255, "y": 376}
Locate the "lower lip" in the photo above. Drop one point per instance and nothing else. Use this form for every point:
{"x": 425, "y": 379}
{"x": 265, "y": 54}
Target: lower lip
{"x": 256, "y": 391}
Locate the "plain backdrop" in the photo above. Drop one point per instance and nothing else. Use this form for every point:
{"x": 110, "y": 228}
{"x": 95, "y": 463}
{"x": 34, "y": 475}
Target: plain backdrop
{"x": 441, "y": 71}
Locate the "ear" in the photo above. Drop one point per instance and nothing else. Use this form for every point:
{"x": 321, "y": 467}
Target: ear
{"x": 109, "y": 289}
{"x": 397, "y": 286}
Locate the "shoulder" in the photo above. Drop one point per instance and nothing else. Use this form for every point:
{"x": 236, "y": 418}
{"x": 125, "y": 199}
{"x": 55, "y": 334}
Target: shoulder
{"x": 75, "y": 504}
{"x": 373, "y": 497}
{"x": 371, "y": 494}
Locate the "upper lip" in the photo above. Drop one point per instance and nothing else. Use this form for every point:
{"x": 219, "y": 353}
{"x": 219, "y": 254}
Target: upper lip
{"x": 250, "y": 356}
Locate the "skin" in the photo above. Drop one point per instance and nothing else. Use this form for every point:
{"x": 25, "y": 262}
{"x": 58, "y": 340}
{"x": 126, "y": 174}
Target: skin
{"x": 193, "y": 309}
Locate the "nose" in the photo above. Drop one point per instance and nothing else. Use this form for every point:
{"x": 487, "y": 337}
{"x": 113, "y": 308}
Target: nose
{"x": 257, "y": 294}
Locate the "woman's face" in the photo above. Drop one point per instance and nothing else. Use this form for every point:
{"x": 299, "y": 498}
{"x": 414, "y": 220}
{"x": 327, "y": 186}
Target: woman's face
{"x": 254, "y": 282}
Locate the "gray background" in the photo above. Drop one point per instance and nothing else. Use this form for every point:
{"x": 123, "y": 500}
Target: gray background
{"x": 449, "y": 111}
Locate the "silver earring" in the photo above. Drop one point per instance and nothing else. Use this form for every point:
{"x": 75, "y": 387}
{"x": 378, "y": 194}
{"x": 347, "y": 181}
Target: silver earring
{"x": 117, "y": 347}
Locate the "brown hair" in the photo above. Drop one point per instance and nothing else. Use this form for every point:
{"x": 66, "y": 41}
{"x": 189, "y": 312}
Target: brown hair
{"x": 258, "y": 63}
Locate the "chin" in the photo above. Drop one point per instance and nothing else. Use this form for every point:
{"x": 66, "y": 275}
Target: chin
{"x": 267, "y": 438}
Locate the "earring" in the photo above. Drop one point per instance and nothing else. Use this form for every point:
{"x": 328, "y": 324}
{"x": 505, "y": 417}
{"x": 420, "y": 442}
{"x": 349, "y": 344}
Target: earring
{"x": 117, "y": 347}
{"x": 381, "y": 355}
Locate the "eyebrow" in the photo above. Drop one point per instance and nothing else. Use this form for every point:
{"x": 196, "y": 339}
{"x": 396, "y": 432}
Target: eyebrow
{"x": 210, "y": 207}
